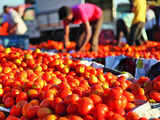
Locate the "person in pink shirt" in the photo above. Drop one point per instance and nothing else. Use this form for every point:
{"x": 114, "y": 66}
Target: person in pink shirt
{"x": 90, "y": 17}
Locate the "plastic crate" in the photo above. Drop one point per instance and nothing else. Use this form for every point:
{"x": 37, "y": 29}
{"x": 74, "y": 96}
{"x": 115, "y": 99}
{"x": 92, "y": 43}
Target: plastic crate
{"x": 18, "y": 41}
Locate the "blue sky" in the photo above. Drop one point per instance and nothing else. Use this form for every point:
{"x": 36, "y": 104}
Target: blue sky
{"x": 10, "y": 3}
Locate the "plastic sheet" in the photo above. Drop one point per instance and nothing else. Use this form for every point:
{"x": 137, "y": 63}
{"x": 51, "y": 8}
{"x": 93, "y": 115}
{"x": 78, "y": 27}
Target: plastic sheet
{"x": 4, "y": 109}
{"x": 143, "y": 66}
{"x": 147, "y": 110}
{"x": 113, "y": 61}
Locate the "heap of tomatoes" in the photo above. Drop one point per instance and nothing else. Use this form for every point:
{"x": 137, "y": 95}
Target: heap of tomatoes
{"x": 148, "y": 50}
{"x": 37, "y": 86}
{"x": 50, "y": 44}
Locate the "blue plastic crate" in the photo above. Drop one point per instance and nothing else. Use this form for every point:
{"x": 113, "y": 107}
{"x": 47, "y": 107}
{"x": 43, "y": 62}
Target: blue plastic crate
{"x": 18, "y": 41}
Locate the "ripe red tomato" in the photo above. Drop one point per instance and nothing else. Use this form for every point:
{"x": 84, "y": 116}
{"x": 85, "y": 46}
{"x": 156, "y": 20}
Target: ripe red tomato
{"x": 130, "y": 97}
{"x": 100, "y": 111}
{"x": 116, "y": 104}
{"x": 65, "y": 92}
{"x": 85, "y": 105}
{"x": 16, "y": 110}
{"x": 21, "y": 96}
{"x": 132, "y": 116}
{"x": 156, "y": 78}
{"x": 130, "y": 106}
{"x": 71, "y": 98}
{"x": 117, "y": 117}
{"x": 2, "y": 116}
{"x": 156, "y": 85}
{"x": 155, "y": 95}
{"x": 60, "y": 108}
{"x": 10, "y": 117}
{"x": 72, "y": 108}
{"x": 96, "y": 98}
{"x": 142, "y": 80}
{"x": 88, "y": 117}
{"x": 116, "y": 93}
{"x": 75, "y": 117}
{"x": 9, "y": 102}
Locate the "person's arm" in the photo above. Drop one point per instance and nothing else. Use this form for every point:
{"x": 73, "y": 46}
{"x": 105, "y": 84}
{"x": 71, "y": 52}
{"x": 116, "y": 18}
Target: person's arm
{"x": 134, "y": 5}
{"x": 15, "y": 18}
{"x": 87, "y": 36}
{"x": 66, "y": 36}
{"x": 13, "y": 29}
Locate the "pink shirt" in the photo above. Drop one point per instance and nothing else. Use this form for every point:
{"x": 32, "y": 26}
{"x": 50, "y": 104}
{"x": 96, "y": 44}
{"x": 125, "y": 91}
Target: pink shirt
{"x": 85, "y": 12}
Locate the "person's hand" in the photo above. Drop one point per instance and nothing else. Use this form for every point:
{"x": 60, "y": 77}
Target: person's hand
{"x": 82, "y": 49}
{"x": 12, "y": 30}
{"x": 67, "y": 43}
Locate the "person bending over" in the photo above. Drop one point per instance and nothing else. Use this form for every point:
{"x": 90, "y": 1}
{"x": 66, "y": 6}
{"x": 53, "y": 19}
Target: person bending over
{"x": 90, "y": 17}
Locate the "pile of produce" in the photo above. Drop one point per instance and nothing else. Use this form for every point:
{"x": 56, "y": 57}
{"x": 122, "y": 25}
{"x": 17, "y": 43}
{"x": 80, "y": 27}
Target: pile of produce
{"x": 148, "y": 50}
{"x": 50, "y": 44}
{"x": 37, "y": 86}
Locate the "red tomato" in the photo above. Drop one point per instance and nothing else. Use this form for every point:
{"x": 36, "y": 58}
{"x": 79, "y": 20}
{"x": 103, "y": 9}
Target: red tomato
{"x": 142, "y": 80}
{"x": 109, "y": 114}
{"x": 60, "y": 108}
{"x": 156, "y": 79}
{"x": 75, "y": 117}
{"x": 88, "y": 117}
{"x": 116, "y": 93}
{"x": 72, "y": 108}
{"x": 132, "y": 116}
{"x": 21, "y": 96}
{"x": 130, "y": 97}
{"x": 117, "y": 117}
{"x": 96, "y": 98}
{"x": 130, "y": 106}
{"x": 85, "y": 105}
{"x": 100, "y": 111}
{"x": 2, "y": 116}
{"x": 71, "y": 99}
{"x": 116, "y": 104}
{"x": 16, "y": 110}
{"x": 156, "y": 85}
{"x": 9, "y": 102}
{"x": 10, "y": 117}
{"x": 155, "y": 95}
{"x": 120, "y": 112}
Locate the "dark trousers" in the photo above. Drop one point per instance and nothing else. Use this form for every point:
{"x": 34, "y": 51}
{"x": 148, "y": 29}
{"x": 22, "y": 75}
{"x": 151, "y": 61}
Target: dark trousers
{"x": 121, "y": 28}
{"x": 96, "y": 28}
{"x": 150, "y": 34}
{"x": 136, "y": 34}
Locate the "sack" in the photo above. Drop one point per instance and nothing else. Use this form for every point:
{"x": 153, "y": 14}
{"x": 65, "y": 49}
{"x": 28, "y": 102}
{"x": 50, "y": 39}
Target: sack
{"x": 107, "y": 37}
{"x": 127, "y": 65}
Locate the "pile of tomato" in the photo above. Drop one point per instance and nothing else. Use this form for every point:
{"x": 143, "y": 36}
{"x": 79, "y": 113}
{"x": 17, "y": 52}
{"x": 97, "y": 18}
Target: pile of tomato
{"x": 148, "y": 50}
{"x": 50, "y": 44}
{"x": 37, "y": 86}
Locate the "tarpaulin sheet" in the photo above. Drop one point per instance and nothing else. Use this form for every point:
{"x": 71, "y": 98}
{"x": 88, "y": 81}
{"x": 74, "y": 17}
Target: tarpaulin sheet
{"x": 143, "y": 66}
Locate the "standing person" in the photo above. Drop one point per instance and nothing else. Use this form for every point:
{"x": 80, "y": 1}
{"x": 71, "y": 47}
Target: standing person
{"x": 139, "y": 8}
{"x": 15, "y": 21}
{"x": 124, "y": 24}
{"x": 150, "y": 22}
{"x": 90, "y": 17}
{"x": 122, "y": 31}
